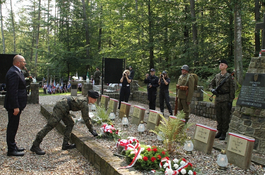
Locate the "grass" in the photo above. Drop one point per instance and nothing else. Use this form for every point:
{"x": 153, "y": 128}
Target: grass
{"x": 41, "y": 93}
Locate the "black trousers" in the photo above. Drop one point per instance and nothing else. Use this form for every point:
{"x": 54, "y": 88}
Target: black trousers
{"x": 11, "y": 131}
{"x": 124, "y": 95}
{"x": 152, "y": 98}
{"x": 164, "y": 95}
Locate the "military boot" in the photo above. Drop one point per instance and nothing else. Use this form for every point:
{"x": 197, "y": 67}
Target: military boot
{"x": 37, "y": 150}
{"x": 68, "y": 146}
{"x": 94, "y": 133}
{"x": 222, "y": 137}
{"x": 218, "y": 134}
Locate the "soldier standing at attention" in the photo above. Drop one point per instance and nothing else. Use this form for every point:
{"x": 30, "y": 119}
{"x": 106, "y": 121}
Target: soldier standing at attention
{"x": 97, "y": 76}
{"x": 61, "y": 112}
{"x": 152, "y": 84}
{"x": 185, "y": 89}
{"x": 224, "y": 99}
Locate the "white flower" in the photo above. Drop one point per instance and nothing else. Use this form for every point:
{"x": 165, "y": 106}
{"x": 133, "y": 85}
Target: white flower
{"x": 182, "y": 163}
{"x": 140, "y": 157}
{"x": 183, "y": 171}
{"x": 132, "y": 152}
{"x": 142, "y": 149}
{"x": 169, "y": 171}
{"x": 165, "y": 165}
{"x": 190, "y": 172}
{"x": 176, "y": 166}
{"x": 129, "y": 148}
{"x": 148, "y": 146}
{"x": 175, "y": 160}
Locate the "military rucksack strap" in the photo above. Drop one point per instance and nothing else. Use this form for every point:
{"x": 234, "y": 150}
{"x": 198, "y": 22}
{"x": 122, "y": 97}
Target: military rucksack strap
{"x": 187, "y": 80}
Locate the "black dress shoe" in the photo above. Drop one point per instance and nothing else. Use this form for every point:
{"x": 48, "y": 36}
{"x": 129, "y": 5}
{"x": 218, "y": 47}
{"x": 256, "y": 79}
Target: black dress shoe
{"x": 218, "y": 134}
{"x": 19, "y": 149}
{"x": 15, "y": 153}
{"x": 94, "y": 133}
{"x": 68, "y": 146}
{"x": 37, "y": 150}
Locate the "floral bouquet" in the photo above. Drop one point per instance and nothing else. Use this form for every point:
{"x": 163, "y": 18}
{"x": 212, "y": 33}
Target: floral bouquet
{"x": 28, "y": 79}
{"x": 109, "y": 131}
{"x": 148, "y": 158}
{"x": 180, "y": 166}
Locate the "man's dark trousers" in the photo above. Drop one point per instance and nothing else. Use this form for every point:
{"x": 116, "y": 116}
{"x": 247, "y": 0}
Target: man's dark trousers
{"x": 152, "y": 98}
{"x": 12, "y": 127}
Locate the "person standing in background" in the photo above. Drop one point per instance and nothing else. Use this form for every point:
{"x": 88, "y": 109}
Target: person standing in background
{"x": 125, "y": 88}
{"x": 152, "y": 84}
{"x": 131, "y": 72}
{"x": 163, "y": 82}
{"x": 97, "y": 75}
{"x": 15, "y": 102}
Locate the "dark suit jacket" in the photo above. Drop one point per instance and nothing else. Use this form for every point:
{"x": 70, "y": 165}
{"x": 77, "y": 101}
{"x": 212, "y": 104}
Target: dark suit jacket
{"x": 16, "y": 93}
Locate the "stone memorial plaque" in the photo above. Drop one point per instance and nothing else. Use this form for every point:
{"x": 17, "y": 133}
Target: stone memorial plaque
{"x": 138, "y": 114}
{"x": 204, "y": 138}
{"x": 174, "y": 117}
{"x": 239, "y": 150}
{"x": 252, "y": 91}
{"x": 124, "y": 109}
{"x": 153, "y": 119}
{"x": 73, "y": 88}
{"x": 113, "y": 103}
{"x": 104, "y": 101}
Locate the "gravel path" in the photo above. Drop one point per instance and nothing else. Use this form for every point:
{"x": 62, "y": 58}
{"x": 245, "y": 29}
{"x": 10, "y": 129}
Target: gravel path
{"x": 55, "y": 161}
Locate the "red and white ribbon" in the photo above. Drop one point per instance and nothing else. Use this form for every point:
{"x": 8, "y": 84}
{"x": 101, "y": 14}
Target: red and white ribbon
{"x": 108, "y": 128}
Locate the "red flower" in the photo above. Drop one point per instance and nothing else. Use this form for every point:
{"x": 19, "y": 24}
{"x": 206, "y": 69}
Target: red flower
{"x": 155, "y": 149}
{"x": 145, "y": 158}
{"x": 190, "y": 164}
{"x": 159, "y": 157}
{"x": 153, "y": 159}
{"x": 148, "y": 149}
{"x": 163, "y": 152}
{"x": 184, "y": 160}
{"x": 167, "y": 158}
{"x": 117, "y": 132}
{"x": 194, "y": 173}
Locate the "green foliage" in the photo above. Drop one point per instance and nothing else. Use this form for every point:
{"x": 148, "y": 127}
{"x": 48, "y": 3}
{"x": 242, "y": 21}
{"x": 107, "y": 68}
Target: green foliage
{"x": 101, "y": 116}
{"x": 149, "y": 158}
{"x": 172, "y": 130}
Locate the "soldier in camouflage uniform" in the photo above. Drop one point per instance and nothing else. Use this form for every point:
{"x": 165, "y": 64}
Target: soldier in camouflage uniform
{"x": 224, "y": 99}
{"x": 185, "y": 89}
{"x": 61, "y": 112}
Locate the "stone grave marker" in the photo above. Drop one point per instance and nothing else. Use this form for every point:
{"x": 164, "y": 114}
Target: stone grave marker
{"x": 104, "y": 101}
{"x": 239, "y": 150}
{"x": 174, "y": 117}
{"x": 204, "y": 138}
{"x": 113, "y": 103}
{"x": 153, "y": 119}
{"x": 124, "y": 109}
{"x": 138, "y": 114}
{"x": 74, "y": 88}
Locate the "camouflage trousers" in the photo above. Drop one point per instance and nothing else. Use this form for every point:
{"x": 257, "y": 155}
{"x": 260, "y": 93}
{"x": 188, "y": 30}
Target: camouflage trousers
{"x": 223, "y": 116}
{"x": 56, "y": 117}
{"x": 182, "y": 105}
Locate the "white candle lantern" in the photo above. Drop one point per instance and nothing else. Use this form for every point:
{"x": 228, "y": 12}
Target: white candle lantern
{"x": 125, "y": 121}
{"x": 141, "y": 127}
{"x": 222, "y": 160}
{"x": 112, "y": 116}
{"x": 159, "y": 136}
{"x": 188, "y": 146}
{"x": 93, "y": 107}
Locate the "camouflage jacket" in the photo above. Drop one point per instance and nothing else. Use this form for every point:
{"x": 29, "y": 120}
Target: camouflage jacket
{"x": 75, "y": 104}
{"x": 182, "y": 81}
{"x": 97, "y": 75}
{"x": 227, "y": 91}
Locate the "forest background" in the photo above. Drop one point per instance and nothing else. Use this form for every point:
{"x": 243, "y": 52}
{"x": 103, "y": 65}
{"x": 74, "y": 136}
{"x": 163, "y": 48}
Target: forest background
{"x": 62, "y": 37}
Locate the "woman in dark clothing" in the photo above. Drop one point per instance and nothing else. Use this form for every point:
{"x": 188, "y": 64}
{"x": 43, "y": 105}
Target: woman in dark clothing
{"x": 125, "y": 89}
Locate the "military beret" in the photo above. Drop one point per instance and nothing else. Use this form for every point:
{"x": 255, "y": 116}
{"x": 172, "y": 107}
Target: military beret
{"x": 152, "y": 70}
{"x": 92, "y": 94}
{"x": 223, "y": 61}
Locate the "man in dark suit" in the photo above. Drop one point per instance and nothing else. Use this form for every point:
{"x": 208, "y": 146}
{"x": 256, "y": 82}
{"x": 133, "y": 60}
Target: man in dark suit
{"x": 15, "y": 102}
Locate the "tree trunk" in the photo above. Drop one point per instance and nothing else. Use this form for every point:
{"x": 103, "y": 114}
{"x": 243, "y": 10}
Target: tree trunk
{"x": 257, "y": 32}
{"x": 231, "y": 37}
{"x": 151, "y": 37}
{"x": 13, "y": 26}
{"x": 86, "y": 28}
{"x": 238, "y": 43}
{"x": 186, "y": 34}
{"x": 37, "y": 40}
{"x": 2, "y": 30}
{"x": 100, "y": 30}
{"x": 194, "y": 29}
{"x": 48, "y": 28}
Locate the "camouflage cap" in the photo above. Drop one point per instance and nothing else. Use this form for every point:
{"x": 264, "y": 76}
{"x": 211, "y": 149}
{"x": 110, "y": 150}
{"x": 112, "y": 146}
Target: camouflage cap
{"x": 92, "y": 94}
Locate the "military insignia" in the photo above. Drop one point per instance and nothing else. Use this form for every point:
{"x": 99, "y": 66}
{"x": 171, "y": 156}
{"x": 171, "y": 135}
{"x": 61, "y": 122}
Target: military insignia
{"x": 256, "y": 77}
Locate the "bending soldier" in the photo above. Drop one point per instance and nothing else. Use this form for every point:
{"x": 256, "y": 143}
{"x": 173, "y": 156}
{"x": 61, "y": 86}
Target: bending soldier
{"x": 224, "y": 99}
{"x": 185, "y": 89}
{"x": 61, "y": 112}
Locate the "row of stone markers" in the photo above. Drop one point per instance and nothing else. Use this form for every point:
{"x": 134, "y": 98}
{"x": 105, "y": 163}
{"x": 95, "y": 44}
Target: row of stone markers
{"x": 239, "y": 147}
